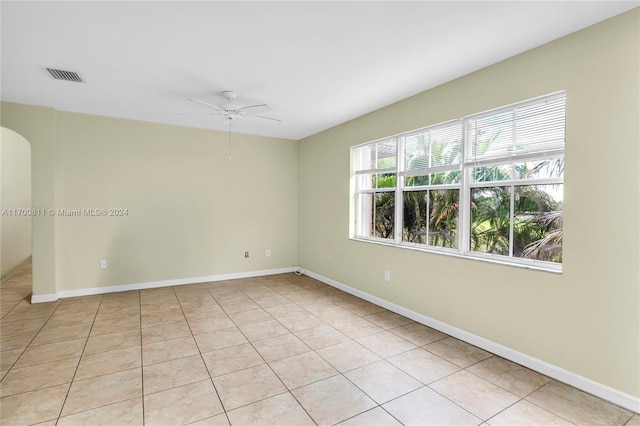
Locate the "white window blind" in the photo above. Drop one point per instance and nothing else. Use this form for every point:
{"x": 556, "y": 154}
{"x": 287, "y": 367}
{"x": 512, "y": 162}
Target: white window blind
{"x": 376, "y": 156}
{"x": 437, "y": 149}
{"x": 536, "y": 128}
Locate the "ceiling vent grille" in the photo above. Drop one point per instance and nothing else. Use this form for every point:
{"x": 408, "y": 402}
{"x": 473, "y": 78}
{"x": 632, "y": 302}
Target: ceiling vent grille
{"x": 64, "y": 75}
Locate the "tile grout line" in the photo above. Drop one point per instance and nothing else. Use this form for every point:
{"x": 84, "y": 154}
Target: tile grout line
{"x": 79, "y": 359}
{"x": 224, "y": 411}
{"x": 256, "y": 350}
{"x": 385, "y": 360}
{"x": 6, "y": 373}
{"x": 311, "y": 349}
{"x": 339, "y": 373}
{"x": 287, "y": 390}
{"x": 141, "y": 358}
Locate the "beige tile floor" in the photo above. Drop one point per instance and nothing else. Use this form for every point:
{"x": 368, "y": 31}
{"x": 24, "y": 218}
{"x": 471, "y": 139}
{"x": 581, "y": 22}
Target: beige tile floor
{"x": 276, "y": 350}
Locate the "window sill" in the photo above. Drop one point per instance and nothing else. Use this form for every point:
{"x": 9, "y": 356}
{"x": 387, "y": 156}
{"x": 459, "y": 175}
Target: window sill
{"x": 534, "y": 265}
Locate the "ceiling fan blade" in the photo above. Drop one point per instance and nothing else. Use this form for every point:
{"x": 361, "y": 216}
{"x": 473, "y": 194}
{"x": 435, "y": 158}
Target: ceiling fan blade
{"x": 267, "y": 107}
{"x": 207, "y": 104}
{"x": 261, "y": 118}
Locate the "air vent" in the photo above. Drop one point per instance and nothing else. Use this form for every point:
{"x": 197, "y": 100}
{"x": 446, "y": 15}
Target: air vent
{"x": 65, "y": 75}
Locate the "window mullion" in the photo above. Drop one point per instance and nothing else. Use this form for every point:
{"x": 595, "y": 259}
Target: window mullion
{"x": 427, "y": 203}
{"x": 399, "y": 188}
{"x": 464, "y": 209}
{"x": 511, "y": 218}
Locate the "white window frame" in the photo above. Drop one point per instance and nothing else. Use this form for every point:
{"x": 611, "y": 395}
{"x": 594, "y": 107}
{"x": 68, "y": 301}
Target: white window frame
{"x": 361, "y": 224}
{"x": 465, "y": 186}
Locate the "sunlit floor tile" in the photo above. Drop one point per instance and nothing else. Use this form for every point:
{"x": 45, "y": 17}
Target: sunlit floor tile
{"x": 457, "y": 352}
{"x": 387, "y": 319}
{"x": 101, "y": 363}
{"x": 478, "y": 396}
{"x": 423, "y": 365}
{"x": 8, "y": 358}
{"x": 33, "y": 407}
{"x": 282, "y": 410}
{"x": 383, "y": 381}
{"x": 247, "y": 386}
{"x": 321, "y": 337}
{"x": 219, "y": 420}
{"x": 300, "y": 370}
{"x": 426, "y": 407}
{"x": 22, "y": 326}
{"x": 127, "y": 412}
{"x": 177, "y": 372}
{"x": 208, "y": 322}
{"x": 229, "y": 360}
{"x": 263, "y": 330}
{"x": 301, "y": 321}
{"x": 386, "y": 344}
{"x": 577, "y": 406}
{"x": 510, "y": 376}
{"x": 524, "y": 413}
{"x": 635, "y": 420}
{"x": 41, "y": 354}
{"x": 19, "y": 380}
{"x": 251, "y": 316}
{"x": 53, "y": 334}
{"x": 182, "y": 405}
{"x": 275, "y": 348}
{"x": 103, "y": 390}
{"x": 113, "y": 341}
{"x": 376, "y": 416}
{"x": 356, "y": 327}
{"x": 116, "y": 325}
{"x": 333, "y": 400}
{"x": 167, "y": 331}
{"x": 167, "y": 350}
{"x": 219, "y": 339}
{"x": 348, "y": 355}
{"x": 10, "y": 342}
{"x": 418, "y": 334}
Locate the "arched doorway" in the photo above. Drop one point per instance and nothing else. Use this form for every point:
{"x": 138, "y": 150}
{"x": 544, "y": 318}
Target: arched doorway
{"x": 16, "y": 218}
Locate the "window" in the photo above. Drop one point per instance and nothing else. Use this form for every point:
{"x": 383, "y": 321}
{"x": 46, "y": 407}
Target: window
{"x": 376, "y": 181}
{"x": 485, "y": 186}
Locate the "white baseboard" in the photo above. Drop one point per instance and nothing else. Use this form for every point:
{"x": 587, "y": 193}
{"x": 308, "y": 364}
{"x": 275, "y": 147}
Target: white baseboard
{"x": 41, "y": 298}
{"x": 600, "y": 390}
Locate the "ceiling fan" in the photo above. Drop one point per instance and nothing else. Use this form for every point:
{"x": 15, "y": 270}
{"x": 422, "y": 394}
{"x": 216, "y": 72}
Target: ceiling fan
{"x": 230, "y": 112}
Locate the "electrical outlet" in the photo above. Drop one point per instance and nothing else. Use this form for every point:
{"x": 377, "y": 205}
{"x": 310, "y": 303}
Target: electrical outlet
{"x": 267, "y": 253}
{"x": 387, "y": 275}
{"x": 103, "y": 264}
{"x": 246, "y": 254}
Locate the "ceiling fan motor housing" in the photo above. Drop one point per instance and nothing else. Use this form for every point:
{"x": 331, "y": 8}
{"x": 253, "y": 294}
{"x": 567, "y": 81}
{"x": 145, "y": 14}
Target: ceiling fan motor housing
{"x": 229, "y": 95}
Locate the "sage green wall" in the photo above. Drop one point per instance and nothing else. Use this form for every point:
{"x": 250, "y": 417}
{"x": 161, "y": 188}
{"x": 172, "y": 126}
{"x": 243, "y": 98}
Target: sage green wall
{"x": 192, "y": 211}
{"x": 586, "y": 320}
{"x": 15, "y": 193}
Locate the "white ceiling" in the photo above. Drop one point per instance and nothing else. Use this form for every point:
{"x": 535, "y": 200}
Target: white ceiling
{"x": 317, "y": 64}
